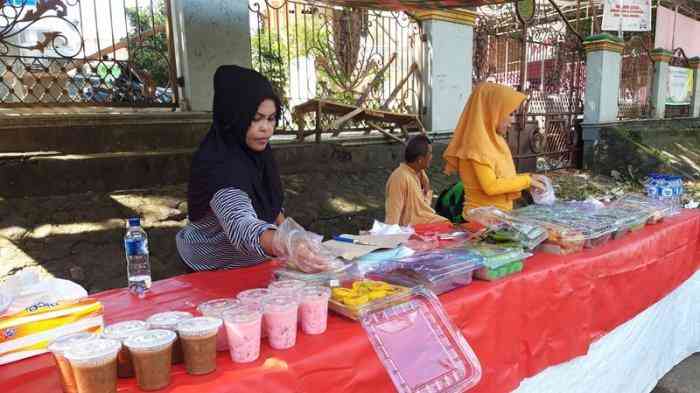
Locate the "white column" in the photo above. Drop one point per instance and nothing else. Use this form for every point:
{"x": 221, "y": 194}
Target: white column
{"x": 695, "y": 109}
{"x": 659, "y": 91}
{"x": 208, "y": 33}
{"x": 603, "y": 66}
{"x": 447, "y": 67}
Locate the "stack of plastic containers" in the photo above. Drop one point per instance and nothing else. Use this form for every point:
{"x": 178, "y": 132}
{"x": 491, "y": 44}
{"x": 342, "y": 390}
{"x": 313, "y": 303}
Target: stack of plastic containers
{"x": 666, "y": 188}
{"x": 507, "y": 228}
{"x": 624, "y": 218}
{"x": 499, "y": 261}
{"x": 658, "y": 210}
{"x": 439, "y": 270}
{"x": 418, "y": 345}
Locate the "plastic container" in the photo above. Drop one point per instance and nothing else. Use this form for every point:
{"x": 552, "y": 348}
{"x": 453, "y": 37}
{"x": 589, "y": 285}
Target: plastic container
{"x": 169, "y": 320}
{"x": 352, "y": 296}
{"x": 657, "y": 209}
{"x": 499, "y": 262}
{"x": 94, "y": 365}
{"x": 418, "y": 345}
{"x": 281, "y": 316}
{"x": 122, "y": 331}
{"x": 243, "y": 327}
{"x": 198, "y": 337}
{"x": 151, "y": 352}
{"x": 58, "y": 348}
{"x": 314, "y": 309}
{"x": 215, "y": 309}
{"x": 625, "y": 218}
{"x": 529, "y": 235}
{"x": 286, "y": 287}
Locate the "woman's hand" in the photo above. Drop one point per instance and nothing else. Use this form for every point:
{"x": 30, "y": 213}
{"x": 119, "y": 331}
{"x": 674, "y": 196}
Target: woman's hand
{"x": 301, "y": 249}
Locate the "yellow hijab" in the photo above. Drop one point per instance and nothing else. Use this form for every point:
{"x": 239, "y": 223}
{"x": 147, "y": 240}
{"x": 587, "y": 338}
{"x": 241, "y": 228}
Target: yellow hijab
{"x": 475, "y": 137}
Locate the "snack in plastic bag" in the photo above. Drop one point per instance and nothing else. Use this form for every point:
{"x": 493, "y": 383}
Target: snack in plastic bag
{"x": 504, "y": 227}
{"x": 546, "y": 196}
{"x": 302, "y": 250}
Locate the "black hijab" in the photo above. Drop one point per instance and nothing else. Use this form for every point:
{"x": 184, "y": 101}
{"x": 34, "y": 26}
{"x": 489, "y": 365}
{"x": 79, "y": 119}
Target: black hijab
{"x": 224, "y": 159}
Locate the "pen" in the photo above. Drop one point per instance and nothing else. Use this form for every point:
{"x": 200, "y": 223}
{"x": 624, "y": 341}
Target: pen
{"x": 349, "y": 240}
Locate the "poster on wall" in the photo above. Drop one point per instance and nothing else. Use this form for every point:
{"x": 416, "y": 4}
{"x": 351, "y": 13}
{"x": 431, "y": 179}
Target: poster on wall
{"x": 680, "y": 86}
{"x": 635, "y": 15}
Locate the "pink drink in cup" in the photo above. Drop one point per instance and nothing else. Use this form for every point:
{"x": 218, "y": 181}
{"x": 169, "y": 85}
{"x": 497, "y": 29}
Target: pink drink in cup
{"x": 214, "y": 308}
{"x": 254, "y": 297}
{"x": 280, "y": 313}
{"x": 287, "y": 287}
{"x": 314, "y": 309}
{"x": 243, "y": 328}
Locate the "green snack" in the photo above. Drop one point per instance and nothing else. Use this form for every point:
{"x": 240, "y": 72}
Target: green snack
{"x": 493, "y": 274}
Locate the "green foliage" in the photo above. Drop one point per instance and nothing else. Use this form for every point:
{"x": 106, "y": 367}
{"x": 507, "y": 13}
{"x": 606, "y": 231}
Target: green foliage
{"x": 149, "y": 49}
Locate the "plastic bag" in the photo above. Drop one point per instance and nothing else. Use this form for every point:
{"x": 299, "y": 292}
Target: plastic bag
{"x": 302, "y": 250}
{"x": 545, "y": 197}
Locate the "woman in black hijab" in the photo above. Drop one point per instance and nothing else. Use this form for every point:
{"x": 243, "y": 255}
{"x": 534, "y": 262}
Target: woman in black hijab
{"x": 235, "y": 194}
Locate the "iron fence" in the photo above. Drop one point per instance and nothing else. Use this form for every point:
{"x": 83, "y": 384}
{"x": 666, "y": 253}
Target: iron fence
{"x": 361, "y": 57}
{"x": 86, "y": 53}
{"x": 636, "y": 78}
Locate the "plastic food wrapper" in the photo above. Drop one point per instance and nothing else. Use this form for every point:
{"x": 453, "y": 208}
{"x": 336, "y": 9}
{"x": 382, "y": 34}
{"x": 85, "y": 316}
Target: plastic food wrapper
{"x": 546, "y": 196}
{"x": 28, "y": 332}
{"x": 499, "y": 261}
{"x": 374, "y": 261}
{"x": 293, "y": 243}
{"x": 438, "y": 270}
{"x": 656, "y": 208}
{"x": 352, "y": 296}
{"x": 322, "y": 278}
{"x": 420, "y": 348}
{"x": 506, "y": 228}
{"x": 27, "y": 288}
{"x": 380, "y": 228}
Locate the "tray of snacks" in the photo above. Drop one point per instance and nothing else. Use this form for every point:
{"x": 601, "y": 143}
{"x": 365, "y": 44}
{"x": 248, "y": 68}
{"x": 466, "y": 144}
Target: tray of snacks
{"x": 352, "y": 296}
{"x": 506, "y": 228}
{"x": 499, "y": 262}
{"x": 657, "y": 209}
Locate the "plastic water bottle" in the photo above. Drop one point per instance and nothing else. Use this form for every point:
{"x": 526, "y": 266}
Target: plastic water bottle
{"x": 138, "y": 266}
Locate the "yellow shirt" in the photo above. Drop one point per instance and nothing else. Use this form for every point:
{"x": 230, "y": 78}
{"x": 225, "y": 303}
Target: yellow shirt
{"x": 483, "y": 188}
{"x": 406, "y": 202}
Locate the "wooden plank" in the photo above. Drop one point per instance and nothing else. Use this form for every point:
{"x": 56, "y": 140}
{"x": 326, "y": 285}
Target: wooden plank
{"x": 344, "y": 119}
{"x": 368, "y": 88}
{"x": 385, "y": 133}
{"x": 397, "y": 89}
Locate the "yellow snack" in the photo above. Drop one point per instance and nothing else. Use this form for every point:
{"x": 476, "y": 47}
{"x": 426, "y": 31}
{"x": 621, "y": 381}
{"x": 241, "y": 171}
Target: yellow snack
{"x": 355, "y": 301}
{"x": 377, "y": 294}
{"x": 341, "y": 293}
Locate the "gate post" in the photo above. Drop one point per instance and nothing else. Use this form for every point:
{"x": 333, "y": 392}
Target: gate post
{"x": 447, "y": 65}
{"x": 208, "y": 33}
{"x": 695, "y": 108}
{"x": 603, "y": 66}
{"x": 661, "y": 59}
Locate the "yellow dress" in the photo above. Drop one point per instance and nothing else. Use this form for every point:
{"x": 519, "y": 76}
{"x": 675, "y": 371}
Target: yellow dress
{"x": 480, "y": 155}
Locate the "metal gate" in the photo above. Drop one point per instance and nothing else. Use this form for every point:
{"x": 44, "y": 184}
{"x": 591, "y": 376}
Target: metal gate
{"x": 532, "y": 46}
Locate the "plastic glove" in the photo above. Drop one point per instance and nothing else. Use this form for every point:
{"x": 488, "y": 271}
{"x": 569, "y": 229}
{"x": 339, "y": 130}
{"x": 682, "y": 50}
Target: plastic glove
{"x": 542, "y": 190}
{"x": 303, "y": 249}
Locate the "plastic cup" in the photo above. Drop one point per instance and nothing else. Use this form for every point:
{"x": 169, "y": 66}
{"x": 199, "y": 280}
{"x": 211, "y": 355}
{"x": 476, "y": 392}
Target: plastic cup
{"x": 280, "y": 313}
{"x": 168, "y": 321}
{"x": 243, "y": 328}
{"x": 286, "y": 287}
{"x": 121, "y": 331}
{"x": 151, "y": 352}
{"x": 94, "y": 365}
{"x": 198, "y": 339}
{"x": 255, "y": 297}
{"x": 214, "y": 308}
{"x": 58, "y": 348}
{"x": 314, "y": 309}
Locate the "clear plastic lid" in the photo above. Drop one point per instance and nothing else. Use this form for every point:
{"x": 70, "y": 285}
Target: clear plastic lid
{"x": 167, "y": 320}
{"x": 496, "y": 256}
{"x": 150, "y": 340}
{"x": 61, "y": 344}
{"x": 214, "y": 308}
{"x": 199, "y": 327}
{"x": 253, "y": 296}
{"x": 243, "y": 314}
{"x": 279, "y": 302}
{"x": 659, "y": 209}
{"x": 93, "y": 352}
{"x": 418, "y": 345}
{"x": 314, "y": 292}
{"x": 124, "y": 330}
{"x": 569, "y": 222}
{"x": 436, "y": 265}
{"x": 286, "y": 286}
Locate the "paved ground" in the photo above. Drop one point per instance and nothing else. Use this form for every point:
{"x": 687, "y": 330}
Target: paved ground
{"x": 684, "y": 378}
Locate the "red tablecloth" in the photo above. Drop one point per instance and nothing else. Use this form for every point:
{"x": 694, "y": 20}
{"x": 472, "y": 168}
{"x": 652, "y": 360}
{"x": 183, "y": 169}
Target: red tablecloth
{"x": 546, "y": 315}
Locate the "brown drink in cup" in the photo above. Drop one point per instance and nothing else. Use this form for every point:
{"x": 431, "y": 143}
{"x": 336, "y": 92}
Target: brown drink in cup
{"x": 121, "y": 331}
{"x": 94, "y": 365}
{"x": 168, "y": 321}
{"x": 151, "y": 352}
{"x": 198, "y": 339}
{"x": 58, "y": 348}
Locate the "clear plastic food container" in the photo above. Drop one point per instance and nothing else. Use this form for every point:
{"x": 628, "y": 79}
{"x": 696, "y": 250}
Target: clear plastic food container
{"x": 419, "y": 347}
{"x": 507, "y": 228}
{"x": 657, "y": 209}
{"x": 499, "y": 262}
{"x": 353, "y": 296}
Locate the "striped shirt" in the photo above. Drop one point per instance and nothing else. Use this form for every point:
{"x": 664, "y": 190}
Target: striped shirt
{"x": 227, "y": 237}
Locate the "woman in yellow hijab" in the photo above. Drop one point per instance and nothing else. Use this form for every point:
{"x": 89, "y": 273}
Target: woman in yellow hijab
{"x": 480, "y": 153}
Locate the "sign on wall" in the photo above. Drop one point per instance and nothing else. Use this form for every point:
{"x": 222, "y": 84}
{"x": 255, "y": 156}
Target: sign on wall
{"x": 680, "y": 86}
{"x": 635, "y": 15}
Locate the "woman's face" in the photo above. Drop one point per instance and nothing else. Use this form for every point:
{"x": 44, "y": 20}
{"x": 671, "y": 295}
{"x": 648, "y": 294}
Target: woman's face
{"x": 262, "y": 127}
{"x": 503, "y": 127}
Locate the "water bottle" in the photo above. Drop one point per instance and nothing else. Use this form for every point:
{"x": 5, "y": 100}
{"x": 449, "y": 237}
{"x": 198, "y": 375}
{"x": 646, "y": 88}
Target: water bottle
{"x": 138, "y": 267}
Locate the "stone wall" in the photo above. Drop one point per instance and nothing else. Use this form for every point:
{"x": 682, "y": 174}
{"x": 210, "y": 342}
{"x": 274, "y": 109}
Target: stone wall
{"x": 637, "y": 148}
